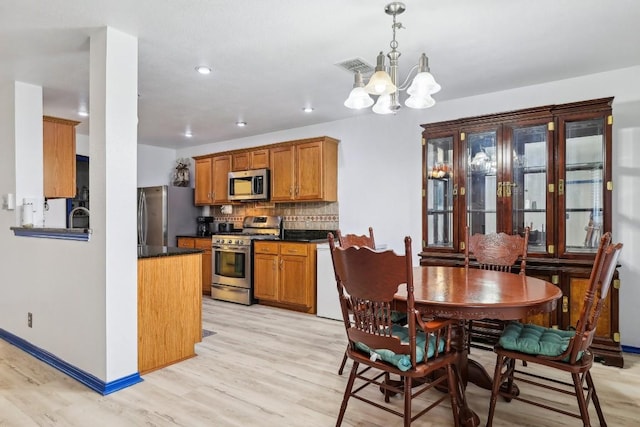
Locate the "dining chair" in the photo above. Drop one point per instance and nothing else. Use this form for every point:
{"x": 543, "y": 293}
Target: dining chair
{"x": 346, "y": 241}
{"x": 367, "y": 281}
{"x": 567, "y": 351}
{"x": 499, "y": 252}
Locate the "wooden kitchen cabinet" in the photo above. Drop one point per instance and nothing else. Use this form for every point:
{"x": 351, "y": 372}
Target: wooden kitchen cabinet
{"x": 305, "y": 170}
{"x": 548, "y": 168}
{"x": 203, "y": 243}
{"x": 203, "y": 181}
{"x": 284, "y": 274}
{"x": 59, "y": 157}
{"x": 212, "y": 179}
{"x": 169, "y": 310}
{"x": 259, "y": 159}
{"x": 254, "y": 159}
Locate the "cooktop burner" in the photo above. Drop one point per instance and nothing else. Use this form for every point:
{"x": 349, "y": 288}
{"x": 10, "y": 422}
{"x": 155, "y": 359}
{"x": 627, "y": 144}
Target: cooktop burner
{"x": 253, "y": 228}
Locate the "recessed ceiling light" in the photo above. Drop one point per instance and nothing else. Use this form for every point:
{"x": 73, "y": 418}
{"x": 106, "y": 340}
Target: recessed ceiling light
{"x": 307, "y": 109}
{"x": 83, "y": 113}
{"x": 241, "y": 124}
{"x": 203, "y": 69}
{"x": 188, "y": 134}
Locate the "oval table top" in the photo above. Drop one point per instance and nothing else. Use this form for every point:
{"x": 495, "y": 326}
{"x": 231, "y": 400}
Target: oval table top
{"x": 471, "y": 293}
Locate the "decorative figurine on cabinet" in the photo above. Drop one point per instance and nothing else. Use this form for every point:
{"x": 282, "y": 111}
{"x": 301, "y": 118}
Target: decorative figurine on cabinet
{"x": 181, "y": 174}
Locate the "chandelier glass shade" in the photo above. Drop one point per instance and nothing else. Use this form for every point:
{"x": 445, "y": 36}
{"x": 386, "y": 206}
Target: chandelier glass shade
{"x": 384, "y": 81}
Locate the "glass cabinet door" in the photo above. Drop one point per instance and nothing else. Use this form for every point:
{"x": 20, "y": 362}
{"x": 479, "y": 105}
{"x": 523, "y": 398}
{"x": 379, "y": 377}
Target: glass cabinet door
{"x": 481, "y": 181}
{"x": 439, "y": 192}
{"x": 528, "y": 186}
{"x": 581, "y": 190}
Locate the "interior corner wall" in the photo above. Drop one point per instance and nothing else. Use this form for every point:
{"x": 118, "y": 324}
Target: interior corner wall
{"x": 380, "y": 166}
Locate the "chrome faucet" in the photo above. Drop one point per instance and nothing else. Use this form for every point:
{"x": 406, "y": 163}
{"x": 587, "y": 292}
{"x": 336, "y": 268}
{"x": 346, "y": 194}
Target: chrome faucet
{"x": 74, "y": 210}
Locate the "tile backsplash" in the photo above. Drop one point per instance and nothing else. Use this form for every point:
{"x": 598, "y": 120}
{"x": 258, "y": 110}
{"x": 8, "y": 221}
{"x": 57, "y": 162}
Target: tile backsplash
{"x": 295, "y": 216}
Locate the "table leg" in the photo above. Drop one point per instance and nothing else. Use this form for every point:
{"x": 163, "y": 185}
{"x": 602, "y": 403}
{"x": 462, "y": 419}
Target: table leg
{"x": 466, "y": 416}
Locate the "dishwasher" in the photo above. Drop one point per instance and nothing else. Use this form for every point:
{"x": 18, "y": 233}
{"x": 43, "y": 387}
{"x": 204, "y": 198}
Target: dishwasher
{"x": 328, "y": 304}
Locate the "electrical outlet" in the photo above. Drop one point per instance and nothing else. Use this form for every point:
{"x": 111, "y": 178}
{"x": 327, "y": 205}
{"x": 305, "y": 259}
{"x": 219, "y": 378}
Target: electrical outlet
{"x": 30, "y": 320}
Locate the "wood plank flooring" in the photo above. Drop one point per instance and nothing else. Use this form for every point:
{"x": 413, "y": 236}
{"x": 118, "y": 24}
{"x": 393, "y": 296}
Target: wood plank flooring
{"x": 263, "y": 367}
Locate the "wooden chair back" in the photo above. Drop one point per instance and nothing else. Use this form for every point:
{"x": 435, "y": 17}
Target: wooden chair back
{"x": 348, "y": 240}
{"x": 370, "y": 280}
{"x": 604, "y": 266}
{"x": 497, "y": 251}
{"x": 367, "y": 282}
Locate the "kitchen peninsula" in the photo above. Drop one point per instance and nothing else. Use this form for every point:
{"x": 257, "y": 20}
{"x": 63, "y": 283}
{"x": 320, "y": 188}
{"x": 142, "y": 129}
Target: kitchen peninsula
{"x": 169, "y": 305}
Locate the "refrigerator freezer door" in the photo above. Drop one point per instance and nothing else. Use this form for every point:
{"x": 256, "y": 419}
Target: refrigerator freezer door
{"x": 154, "y": 215}
{"x": 165, "y": 212}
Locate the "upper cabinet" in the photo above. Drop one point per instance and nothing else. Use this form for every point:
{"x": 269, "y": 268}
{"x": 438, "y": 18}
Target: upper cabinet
{"x": 302, "y": 170}
{"x": 211, "y": 182}
{"x": 59, "y": 157}
{"x": 547, "y": 168}
{"x": 254, "y": 159}
{"x": 203, "y": 181}
{"x": 305, "y": 170}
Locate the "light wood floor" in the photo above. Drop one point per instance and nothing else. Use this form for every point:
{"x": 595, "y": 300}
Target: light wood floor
{"x": 263, "y": 367}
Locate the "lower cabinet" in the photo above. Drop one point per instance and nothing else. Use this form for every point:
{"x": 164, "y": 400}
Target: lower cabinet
{"x": 203, "y": 243}
{"x": 169, "y": 310}
{"x": 284, "y": 274}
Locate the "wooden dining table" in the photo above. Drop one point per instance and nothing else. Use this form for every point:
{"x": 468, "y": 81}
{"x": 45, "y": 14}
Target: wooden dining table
{"x": 465, "y": 293}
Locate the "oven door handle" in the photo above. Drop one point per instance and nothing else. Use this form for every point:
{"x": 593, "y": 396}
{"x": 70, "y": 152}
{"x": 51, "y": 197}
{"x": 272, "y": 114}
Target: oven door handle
{"x": 242, "y": 249}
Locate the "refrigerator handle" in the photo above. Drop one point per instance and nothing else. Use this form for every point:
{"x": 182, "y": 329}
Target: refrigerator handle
{"x": 140, "y": 241}
{"x": 144, "y": 221}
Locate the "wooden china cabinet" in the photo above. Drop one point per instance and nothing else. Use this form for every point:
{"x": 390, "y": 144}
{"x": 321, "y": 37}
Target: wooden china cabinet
{"x": 548, "y": 168}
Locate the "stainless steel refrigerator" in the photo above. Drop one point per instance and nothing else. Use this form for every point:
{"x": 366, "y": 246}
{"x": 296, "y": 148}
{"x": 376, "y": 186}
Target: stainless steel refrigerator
{"x": 165, "y": 212}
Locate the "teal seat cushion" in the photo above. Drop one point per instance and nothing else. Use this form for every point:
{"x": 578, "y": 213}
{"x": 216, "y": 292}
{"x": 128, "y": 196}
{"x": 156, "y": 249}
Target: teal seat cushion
{"x": 534, "y": 339}
{"x": 403, "y": 361}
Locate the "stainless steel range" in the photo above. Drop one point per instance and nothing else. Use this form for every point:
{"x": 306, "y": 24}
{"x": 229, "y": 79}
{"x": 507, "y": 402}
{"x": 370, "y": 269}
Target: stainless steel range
{"x": 233, "y": 257}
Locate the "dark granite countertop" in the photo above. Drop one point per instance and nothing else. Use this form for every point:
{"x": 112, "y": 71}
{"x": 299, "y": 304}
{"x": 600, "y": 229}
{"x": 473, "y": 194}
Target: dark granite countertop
{"x": 160, "y": 251}
{"x": 311, "y": 236}
{"x": 193, "y": 236}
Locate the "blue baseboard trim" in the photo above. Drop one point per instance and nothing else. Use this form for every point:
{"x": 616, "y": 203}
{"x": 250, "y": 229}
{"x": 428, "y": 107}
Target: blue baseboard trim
{"x": 85, "y": 378}
{"x": 629, "y": 349}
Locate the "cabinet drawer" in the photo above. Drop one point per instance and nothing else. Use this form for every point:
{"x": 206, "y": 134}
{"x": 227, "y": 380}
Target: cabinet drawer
{"x": 294, "y": 249}
{"x": 265, "y": 248}
{"x": 186, "y": 242}
{"x": 203, "y": 243}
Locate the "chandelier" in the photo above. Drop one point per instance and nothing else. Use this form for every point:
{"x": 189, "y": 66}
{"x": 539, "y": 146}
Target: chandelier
{"x": 384, "y": 84}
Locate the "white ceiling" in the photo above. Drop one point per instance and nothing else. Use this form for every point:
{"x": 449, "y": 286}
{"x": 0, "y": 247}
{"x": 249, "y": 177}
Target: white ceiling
{"x": 272, "y": 58}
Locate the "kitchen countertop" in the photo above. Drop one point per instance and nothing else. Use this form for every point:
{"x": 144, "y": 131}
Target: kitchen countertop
{"x": 307, "y": 236}
{"x": 311, "y": 236}
{"x": 161, "y": 251}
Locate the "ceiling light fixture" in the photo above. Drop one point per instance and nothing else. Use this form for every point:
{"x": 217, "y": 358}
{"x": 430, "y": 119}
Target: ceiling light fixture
{"x": 203, "y": 69}
{"x": 307, "y": 109}
{"x": 385, "y": 84}
{"x": 83, "y": 113}
{"x": 241, "y": 124}
{"x": 188, "y": 134}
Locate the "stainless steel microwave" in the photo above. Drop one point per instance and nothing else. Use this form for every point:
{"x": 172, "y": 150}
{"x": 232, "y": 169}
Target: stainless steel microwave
{"x": 249, "y": 185}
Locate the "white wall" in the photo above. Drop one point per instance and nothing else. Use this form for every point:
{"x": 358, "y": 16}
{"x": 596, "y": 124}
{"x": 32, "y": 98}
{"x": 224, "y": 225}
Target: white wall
{"x": 379, "y": 174}
{"x": 82, "y": 294}
{"x": 155, "y": 165}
